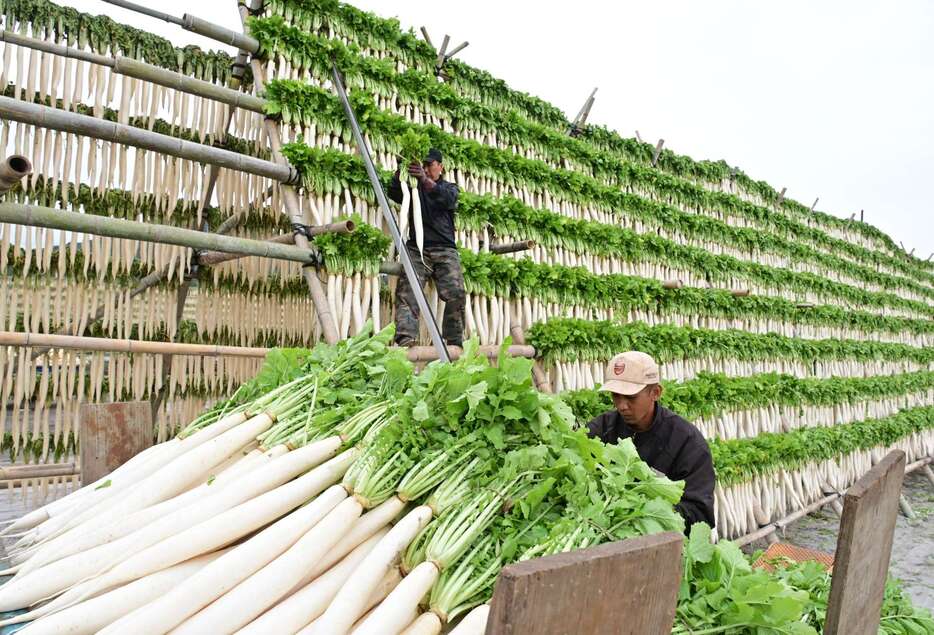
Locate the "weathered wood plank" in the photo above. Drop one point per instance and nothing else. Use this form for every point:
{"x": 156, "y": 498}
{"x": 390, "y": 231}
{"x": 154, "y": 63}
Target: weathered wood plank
{"x": 864, "y": 547}
{"x": 627, "y": 587}
{"x": 111, "y": 434}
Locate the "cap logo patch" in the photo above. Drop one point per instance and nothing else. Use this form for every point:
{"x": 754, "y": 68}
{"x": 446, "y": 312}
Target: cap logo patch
{"x": 619, "y": 368}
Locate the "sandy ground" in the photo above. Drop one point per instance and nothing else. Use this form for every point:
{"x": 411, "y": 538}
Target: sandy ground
{"x": 912, "y": 551}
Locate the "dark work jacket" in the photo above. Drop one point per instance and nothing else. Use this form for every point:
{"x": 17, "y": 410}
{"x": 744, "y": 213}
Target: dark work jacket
{"x": 438, "y": 209}
{"x": 676, "y": 449}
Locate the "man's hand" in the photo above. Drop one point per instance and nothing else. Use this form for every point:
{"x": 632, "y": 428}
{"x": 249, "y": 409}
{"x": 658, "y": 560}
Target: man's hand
{"x": 416, "y": 170}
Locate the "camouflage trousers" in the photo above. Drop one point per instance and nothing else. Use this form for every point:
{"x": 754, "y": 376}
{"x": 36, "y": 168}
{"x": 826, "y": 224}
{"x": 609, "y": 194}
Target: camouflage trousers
{"x": 443, "y": 265}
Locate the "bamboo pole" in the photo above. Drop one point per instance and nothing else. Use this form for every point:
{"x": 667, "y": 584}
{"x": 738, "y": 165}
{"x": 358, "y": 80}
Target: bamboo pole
{"x": 81, "y": 343}
{"x": 41, "y": 470}
{"x": 13, "y": 170}
{"x": 429, "y": 353}
{"x": 65, "y": 121}
{"x": 209, "y": 258}
{"x": 195, "y": 25}
{"x": 538, "y": 373}
{"x": 77, "y": 342}
{"x": 146, "y": 72}
{"x": 290, "y": 200}
{"x": 508, "y": 248}
{"x": 37, "y": 216}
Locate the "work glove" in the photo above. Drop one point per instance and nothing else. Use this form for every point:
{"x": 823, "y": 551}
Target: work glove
{"x": 417, "y": 171}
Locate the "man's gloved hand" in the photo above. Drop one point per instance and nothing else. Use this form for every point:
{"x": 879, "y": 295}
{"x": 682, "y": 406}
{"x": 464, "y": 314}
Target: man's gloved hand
{"x": 416, "y": 170}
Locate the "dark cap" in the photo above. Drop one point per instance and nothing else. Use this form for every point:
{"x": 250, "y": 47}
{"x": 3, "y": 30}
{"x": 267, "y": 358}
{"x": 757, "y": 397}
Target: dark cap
{"x": 433, "y": 155}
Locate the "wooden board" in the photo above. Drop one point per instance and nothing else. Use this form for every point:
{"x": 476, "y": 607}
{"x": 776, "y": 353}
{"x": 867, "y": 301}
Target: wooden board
{"x": 111, "y": 434}
{"x": 627, "y": 587}
{"x": 864, "y": 546}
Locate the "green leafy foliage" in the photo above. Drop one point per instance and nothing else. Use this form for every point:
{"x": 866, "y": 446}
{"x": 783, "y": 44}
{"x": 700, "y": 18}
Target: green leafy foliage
{"x": 739, "y": 460}
{"x": 570, "y": 339}
{"x": 709, "y": 394}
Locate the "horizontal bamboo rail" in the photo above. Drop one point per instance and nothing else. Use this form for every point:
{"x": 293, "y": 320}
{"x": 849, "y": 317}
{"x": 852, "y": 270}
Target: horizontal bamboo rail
{"x": 107, "y": 345}
{"x": 13, "y": 169}
{"x": 147, "y": 72}
{"x": 85, "y": 125}
{"x": 428, "y": 353}
{"x": 77, "y": 342}
{"x": 39, "y": 470}
{"x": 37, "y": 216}
{"x": 208, "y": 258}
{"x": 195, "y": 25}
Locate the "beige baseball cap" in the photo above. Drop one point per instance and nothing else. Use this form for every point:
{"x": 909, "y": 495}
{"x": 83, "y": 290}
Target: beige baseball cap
{"x": 630, "y": 372}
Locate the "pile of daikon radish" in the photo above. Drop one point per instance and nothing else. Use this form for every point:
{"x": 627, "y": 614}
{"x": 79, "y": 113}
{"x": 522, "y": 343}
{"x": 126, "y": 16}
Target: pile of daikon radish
{"x": 336, "y": 492}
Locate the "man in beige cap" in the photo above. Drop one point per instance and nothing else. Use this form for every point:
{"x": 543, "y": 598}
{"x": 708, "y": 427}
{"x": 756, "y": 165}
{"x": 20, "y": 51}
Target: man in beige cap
{"x": 664, "y": 440}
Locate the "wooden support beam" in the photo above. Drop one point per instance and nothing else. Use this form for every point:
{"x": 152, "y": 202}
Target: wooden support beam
{"x": 81, "y": 343}
{"x": 13, "y": 170}
{"x": 658, "y": 151}
{"x": 579, "y": 592}
{"x": 864, "y": 546}
{"x": 111, "y": 434}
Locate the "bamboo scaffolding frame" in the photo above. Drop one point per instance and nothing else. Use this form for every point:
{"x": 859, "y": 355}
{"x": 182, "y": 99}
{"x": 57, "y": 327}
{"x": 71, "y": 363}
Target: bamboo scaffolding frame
{"x": 84, "y": 125}
{"x": 37, "y": 216}
{"x": 81, "y": 343}
{"x": 109, "y": 345}
{"x": 130, "y": 67}
{"x": 293, "y": 210}
{"x": 13, "y": 170}
{"x": 208, "y": 258}
{"x": 41, "y": 470}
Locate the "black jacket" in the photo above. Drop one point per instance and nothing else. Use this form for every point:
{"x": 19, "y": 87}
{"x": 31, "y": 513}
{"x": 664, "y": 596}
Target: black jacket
{"x": 673, "y": 447}
{"x": 438, "y": 209}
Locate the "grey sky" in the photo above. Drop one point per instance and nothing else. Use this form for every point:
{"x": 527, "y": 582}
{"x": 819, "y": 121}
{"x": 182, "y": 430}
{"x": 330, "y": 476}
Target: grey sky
{"x": 829, "y": 99}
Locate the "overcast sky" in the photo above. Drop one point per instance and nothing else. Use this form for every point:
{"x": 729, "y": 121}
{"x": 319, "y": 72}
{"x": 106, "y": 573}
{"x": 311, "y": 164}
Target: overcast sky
{"x": 831, "y": 99}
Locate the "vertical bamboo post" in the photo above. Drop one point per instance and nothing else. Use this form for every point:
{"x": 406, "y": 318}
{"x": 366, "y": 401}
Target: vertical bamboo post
{"x": 290, "y": 200}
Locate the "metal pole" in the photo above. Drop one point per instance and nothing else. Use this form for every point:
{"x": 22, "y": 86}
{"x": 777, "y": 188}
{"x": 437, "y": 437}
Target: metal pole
{"x": 64, "y": 121}
{"x": 37, "y": 216}
{"x": 391, "y": 221}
